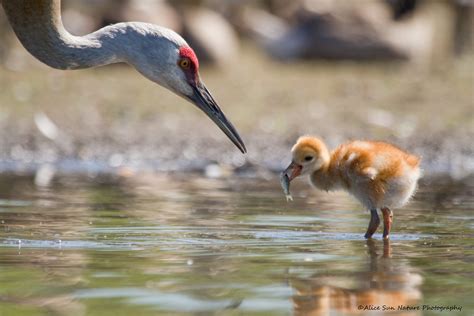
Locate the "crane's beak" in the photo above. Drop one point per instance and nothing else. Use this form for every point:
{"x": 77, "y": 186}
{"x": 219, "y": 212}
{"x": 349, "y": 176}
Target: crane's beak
{"x": 293, "y": 170}
{"x": 203, "y": 99}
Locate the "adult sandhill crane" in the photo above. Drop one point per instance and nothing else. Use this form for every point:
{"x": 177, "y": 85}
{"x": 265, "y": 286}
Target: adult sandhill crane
{"x": 156, "y": 52}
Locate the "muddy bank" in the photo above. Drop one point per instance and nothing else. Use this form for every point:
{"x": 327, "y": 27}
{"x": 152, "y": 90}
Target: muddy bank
{"x": 267, "y": 156}
{"x": 112, "y": 120}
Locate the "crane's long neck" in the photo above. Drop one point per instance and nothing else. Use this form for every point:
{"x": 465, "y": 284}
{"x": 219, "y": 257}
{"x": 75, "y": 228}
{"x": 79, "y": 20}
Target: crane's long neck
{"x": 38, "y": 25}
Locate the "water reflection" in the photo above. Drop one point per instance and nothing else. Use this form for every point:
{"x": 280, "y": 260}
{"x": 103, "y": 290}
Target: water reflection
{"x": 171, "y": 244}
{"x": 384, "y": 283}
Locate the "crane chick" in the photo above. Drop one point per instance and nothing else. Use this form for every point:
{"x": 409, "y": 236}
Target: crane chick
{"x": 380, "y": 175}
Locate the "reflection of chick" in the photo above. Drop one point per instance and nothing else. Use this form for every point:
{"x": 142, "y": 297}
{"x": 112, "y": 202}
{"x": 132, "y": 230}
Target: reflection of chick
{"x": 378, "y": 174}
{"x": 384, "y": 284}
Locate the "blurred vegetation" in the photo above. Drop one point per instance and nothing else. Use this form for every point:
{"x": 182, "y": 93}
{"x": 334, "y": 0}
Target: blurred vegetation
{"x": 111, "y": 117}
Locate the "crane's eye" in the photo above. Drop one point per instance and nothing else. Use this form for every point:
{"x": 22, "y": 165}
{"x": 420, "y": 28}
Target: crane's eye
{"x": 308, "y": 158}
{"x": 184, "y": 63}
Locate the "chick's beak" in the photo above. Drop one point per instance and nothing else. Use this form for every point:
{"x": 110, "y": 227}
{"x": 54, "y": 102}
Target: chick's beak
{"x": 203, "y": 99}
{"x": 293, "y": 170}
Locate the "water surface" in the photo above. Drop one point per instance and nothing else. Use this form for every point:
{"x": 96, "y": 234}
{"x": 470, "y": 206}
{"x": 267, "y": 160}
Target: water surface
{"x": 179, "y": 245}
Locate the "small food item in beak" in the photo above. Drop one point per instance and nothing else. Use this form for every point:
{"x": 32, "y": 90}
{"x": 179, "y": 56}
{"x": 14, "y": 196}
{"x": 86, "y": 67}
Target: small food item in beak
{"x": 285, "y": 184}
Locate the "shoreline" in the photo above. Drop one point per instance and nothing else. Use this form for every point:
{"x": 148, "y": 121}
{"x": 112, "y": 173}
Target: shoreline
{"x": 206, "y": 169}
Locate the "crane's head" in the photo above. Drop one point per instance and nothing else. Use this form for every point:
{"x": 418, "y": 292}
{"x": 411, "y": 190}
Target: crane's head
{"x": 165, "y": 58}
{"x": 308, "y": 155}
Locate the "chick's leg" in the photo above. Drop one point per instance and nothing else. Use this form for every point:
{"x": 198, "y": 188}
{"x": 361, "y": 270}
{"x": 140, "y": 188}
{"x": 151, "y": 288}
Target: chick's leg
{"x": 373, "y": 224}
{"x": 387, "y": 221}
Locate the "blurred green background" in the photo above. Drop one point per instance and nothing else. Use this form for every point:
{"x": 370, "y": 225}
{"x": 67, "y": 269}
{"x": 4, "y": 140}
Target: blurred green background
{"x": 394, "y": 70}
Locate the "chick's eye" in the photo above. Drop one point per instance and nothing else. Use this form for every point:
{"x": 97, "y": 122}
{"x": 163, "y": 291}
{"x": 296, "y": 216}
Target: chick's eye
{"x": 308, "y": 158}
{"x": 184, "y": 63}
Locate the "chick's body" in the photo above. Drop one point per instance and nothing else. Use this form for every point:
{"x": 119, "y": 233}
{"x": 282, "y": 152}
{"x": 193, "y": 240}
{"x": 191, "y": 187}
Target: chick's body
{"x": 378, "y": 174}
